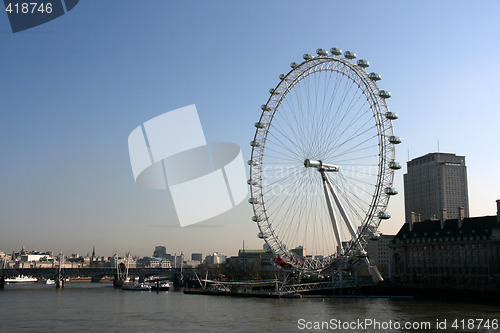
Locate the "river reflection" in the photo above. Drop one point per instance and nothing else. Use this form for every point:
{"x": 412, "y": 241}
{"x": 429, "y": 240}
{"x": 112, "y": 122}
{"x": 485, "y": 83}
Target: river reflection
{"x": 101, "y": 308}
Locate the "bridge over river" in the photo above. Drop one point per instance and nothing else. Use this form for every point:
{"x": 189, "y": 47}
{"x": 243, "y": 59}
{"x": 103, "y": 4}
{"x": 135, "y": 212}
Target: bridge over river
{"x": 94, "y": 273}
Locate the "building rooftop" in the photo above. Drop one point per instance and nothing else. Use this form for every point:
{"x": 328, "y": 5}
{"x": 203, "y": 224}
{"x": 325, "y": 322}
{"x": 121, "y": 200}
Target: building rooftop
{"x": 473, "y": 226}
{"x": 435, "y": 155}
{"x": 240, "y": 252}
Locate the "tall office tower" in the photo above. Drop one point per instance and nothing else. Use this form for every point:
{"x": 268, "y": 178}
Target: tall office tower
{"x": 196, "y": 257}
{"x": 160, "y": 252}
{"x": 433, "y": 183}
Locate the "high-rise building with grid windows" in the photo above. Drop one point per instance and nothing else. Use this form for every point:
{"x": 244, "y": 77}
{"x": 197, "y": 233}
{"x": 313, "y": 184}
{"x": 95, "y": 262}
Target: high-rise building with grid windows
{"x": 435, "y": 186}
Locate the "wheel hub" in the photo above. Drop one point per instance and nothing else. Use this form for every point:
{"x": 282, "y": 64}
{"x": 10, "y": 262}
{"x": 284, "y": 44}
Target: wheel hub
{"x": 321, "y": 166}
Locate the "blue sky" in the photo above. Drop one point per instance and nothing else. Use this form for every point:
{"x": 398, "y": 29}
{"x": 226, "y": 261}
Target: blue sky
{"x": 73, "y": 89}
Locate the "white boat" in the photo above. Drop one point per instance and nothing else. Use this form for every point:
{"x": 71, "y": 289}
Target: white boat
{"x": 136, "y": 286}
{"x": 21, "y": 279}
{"x": 162, "y": 287}
{"x": 49, "y": 281}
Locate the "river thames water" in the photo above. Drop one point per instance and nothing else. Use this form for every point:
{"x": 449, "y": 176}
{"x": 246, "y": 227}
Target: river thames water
{"x": 98, "y": 307}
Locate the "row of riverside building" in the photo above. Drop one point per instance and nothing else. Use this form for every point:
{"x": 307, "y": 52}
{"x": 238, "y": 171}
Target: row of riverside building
{"x": 440, "y": 244}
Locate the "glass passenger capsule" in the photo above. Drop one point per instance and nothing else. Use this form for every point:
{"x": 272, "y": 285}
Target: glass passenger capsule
{"x": 336, "y": 51}
{"x": 391, "y": 115}
{"x": 394, "y": 165}
{"x": 262, "y": 235}
{"x": 307, "y": 56}
{"x": 252, "y": 162}
{"x": 256, "y": 218}
{"x": 253, "y": 200}
{"x": 321, "y": 52}
{"x": 282, "y": 76}
{"x": 254, "y": 144}
{"x": 363, "y": 63}
{"x": 375, "y": 76}
{"x": 349, "y": 54}
{"x": 294, "y": 65}
{"x": 265, "y": 107}
{"x": 251, "y": 182}
{"x": 259, "y": 125}
{"x": 384, "y": 215}
{"x": 384, "y": 94}
{"x": 390, "y": 191}
{"x": 395, "y": 139}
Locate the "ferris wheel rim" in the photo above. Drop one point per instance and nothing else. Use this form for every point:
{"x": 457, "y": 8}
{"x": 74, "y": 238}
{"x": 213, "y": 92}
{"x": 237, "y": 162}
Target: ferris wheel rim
{"x": 384, "y": 127}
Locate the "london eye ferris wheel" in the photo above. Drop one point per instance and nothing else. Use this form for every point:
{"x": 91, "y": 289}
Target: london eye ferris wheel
{"x": 323, "y": 161}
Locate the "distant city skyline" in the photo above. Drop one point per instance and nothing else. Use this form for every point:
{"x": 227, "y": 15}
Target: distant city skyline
{"x": 74, "y": 88}
{"x": 158, "y": 252}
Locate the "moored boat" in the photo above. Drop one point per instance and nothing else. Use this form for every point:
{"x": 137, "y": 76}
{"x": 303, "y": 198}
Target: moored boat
{"x": 160, "y": 287}
{"x": 21, "y": 279}
{"x": 136, "y": 286}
